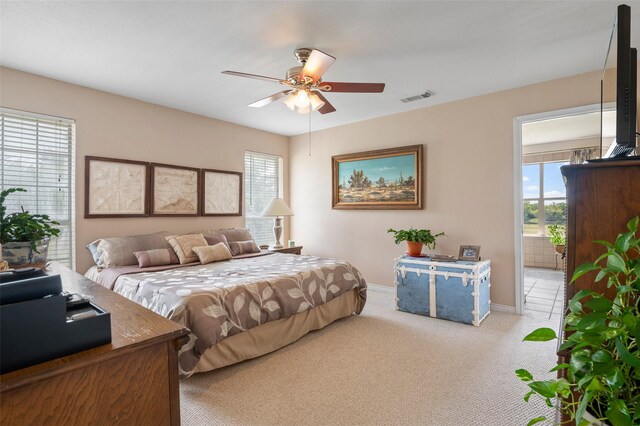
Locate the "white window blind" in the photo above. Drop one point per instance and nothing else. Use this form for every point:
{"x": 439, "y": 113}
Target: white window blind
{"x": 263, "y": 182}
{"x": 36, "y": 153}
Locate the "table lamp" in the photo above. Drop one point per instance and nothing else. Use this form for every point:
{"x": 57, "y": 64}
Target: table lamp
{"x": 277, "y": 208}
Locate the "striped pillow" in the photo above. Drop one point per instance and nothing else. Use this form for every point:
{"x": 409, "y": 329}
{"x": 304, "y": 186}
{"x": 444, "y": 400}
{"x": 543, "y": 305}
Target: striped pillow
{"x": 156, "y": 257}
{"x": 183, "y": 246}
{"x": 243, "y": 247}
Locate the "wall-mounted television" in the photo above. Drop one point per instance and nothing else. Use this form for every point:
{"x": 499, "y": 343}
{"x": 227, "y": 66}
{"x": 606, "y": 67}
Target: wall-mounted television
{"x": 624, "y": 58}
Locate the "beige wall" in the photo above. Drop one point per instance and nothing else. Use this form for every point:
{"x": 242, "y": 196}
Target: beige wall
{"x": 115, "y": 126}
{"x": 469, "y": 180}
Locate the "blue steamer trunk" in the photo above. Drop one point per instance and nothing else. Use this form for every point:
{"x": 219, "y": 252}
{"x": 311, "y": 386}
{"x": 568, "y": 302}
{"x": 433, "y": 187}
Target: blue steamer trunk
{"x": 455, "y": 291}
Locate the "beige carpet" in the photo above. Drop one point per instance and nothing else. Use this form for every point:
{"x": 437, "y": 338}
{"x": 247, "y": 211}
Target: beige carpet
{"x": 382, "y": 367}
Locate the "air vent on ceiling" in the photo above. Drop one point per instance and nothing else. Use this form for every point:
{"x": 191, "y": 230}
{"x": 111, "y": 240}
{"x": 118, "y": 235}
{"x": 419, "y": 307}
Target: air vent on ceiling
{"x": 424, "y": 95}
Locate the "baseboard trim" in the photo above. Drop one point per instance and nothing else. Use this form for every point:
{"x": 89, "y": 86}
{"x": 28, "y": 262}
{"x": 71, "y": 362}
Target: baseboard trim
{"x": 381, "y": 288}
{"x": 503, "y": 308}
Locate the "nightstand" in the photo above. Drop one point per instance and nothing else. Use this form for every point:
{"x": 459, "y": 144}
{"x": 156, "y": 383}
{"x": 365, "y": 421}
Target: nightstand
{"x": 290, "y": 250}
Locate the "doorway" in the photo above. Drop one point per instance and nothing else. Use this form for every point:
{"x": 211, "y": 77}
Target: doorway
{"x": 543, "y": 143}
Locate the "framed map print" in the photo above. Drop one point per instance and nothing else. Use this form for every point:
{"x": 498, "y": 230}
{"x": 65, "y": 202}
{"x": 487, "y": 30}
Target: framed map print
{"x": 175, "y": 190}
{"x": 115, "y": 188}
{"x": 221, "y": 193}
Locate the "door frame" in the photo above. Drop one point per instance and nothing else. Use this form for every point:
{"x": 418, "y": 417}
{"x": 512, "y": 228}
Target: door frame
{"x": 517, "y": 164}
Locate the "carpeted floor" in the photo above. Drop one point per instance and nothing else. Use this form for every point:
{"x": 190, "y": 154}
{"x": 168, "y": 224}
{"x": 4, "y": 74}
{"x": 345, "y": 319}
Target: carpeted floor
{"x": 382, "y": 367}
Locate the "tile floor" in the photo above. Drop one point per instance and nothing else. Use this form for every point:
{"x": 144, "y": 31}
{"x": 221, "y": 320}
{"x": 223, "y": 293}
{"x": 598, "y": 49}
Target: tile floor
{"x": 544, "y": 293}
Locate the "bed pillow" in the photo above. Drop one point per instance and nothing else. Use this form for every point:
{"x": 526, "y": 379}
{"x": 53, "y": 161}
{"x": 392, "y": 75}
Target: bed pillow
{"x": 215, "y": 238}
{"x": 93, "y": 249}
{"x": 156, "y": 257}
{"x": 243, "y": 247}
{"x": 215, "y": 253}
{"x": 236, "y": 234}
{"x": 183, "y": 246}
{"x": 118, "y": 251}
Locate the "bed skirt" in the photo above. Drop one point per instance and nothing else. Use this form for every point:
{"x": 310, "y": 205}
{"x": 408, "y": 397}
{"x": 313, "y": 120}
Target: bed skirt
{"x": 274, "y": 335}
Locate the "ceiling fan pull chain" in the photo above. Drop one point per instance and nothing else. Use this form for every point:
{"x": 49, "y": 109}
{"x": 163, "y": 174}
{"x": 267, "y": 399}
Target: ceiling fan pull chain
{"x": 309, "y": 134}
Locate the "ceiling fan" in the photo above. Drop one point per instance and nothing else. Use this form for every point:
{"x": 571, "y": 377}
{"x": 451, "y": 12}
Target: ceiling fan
{"x": 305, "y": 84}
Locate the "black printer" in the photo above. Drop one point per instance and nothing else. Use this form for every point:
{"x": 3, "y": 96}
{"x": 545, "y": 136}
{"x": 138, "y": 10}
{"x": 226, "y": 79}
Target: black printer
{"x": 40, "y": 322}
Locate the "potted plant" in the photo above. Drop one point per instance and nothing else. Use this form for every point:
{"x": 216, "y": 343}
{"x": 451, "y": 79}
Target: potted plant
{"x": 557, "y": 237}
{"x": 415, "y": 239}
{"x": 602, "y": 379}
{"x": 24, "y": 237}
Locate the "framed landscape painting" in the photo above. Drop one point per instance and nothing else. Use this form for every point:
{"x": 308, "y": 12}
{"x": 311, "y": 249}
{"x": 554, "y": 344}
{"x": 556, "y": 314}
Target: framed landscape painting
{"x": 175, "y": 190}
{"x": 221, "y": 193}
{"x": 115, "y": 188}
{"x": 383, "y": 179}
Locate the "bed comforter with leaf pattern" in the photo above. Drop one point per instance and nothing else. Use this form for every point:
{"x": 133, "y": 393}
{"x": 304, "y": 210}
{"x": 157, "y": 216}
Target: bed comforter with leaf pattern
{"x": 221, "y": 299}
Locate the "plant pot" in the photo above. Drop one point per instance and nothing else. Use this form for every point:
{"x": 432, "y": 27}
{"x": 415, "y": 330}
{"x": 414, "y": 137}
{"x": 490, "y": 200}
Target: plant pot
{"x": 559, "y": 248}
{"x": 414, "y": 249}
{"x": 20, "y": 255}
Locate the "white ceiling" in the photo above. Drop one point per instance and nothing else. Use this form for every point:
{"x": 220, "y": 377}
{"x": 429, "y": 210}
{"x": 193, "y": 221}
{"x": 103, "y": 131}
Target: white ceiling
{"x": 172, "y": 52}
{"x": 569, "y": 128}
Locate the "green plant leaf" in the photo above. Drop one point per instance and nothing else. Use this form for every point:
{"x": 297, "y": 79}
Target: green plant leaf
{"x": 524, "y": 375}
{"x": 601, "y": 356}
{"x": 536, "y": 420}
{"x": 528, "y": 395}
{"x": 559, "y": 367}
{"x": 622, "y": 242}
{"x": 595, "y": 386}
{"x": 615, "y": 379}
{"x": 592, "y": 321}
{"x": 616, "y": 263}
{"x": 625, "y": 355}
{"x": 546, "y": 388}
{"x": 582, "y": 406}
{"x": 618, "y": 414}
{"x": 601, "y": 275}
{"x": 543, "y": 334}
{"x": 583, "y": 269}
{"x": 632, "y": 225}
{"x": 599, "y": 304}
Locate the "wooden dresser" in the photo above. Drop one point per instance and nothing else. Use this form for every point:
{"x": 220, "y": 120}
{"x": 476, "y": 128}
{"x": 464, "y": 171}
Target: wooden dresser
{"x": 132, "y": 381}
{"x": 601, "y": 199}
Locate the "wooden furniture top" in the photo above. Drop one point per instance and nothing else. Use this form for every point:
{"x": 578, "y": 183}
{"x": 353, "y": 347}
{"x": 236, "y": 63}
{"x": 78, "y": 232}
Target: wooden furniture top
{"x": 133, "y": 327}
{"x": 601, "y": 164}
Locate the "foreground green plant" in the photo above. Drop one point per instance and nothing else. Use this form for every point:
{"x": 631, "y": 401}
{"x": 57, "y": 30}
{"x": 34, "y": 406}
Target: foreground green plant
{"x": 417, "y": 236}
{"x": 603, "y": 374}
{"x": 23, "y": 226}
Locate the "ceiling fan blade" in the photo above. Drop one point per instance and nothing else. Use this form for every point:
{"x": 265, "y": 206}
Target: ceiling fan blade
{"x": 327, "y": 107}
{"x": 329, "y": 86}
{"x": 317, "y": 64}
{"x": 269, "y": 99}
{"x": 254, "y": 76}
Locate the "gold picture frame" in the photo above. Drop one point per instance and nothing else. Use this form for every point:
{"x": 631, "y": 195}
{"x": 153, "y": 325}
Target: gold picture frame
{"x": 384, "y": 179}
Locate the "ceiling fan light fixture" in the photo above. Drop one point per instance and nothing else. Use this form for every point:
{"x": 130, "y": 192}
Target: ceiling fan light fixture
{"x": 302, "y": 99}
{"x": 304, "y": 110}
{"x": 290, "y": 101}
{"x": 316, "y": 102}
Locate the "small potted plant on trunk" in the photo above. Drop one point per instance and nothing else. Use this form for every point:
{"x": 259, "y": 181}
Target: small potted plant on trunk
{"x": 24, "y": 236}
{"x": 416, "y": 239}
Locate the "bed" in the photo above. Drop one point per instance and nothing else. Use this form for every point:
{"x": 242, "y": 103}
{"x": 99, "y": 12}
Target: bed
{"x": 244, "y": 307}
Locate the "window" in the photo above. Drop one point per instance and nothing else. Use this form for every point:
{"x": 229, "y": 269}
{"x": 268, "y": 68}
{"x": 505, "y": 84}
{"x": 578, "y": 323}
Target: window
{"x": 544, "y": 196}
{"x": 36, "y": 153}
{"x": 263, "y": 182}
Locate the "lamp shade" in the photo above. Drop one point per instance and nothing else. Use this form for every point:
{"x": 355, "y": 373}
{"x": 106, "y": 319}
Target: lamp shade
{"x": 277, "y": 207}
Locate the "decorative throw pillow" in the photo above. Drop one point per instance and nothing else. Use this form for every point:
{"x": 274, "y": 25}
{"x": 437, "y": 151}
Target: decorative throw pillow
{"x": 213, "y": 239}
{"x": 215, "y": 253}
{"x": 156, "y": 257}
{"x": 243, "y": 247}
{"x": 183, "y": 246}
{"x": 236, "y": 234}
